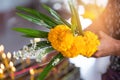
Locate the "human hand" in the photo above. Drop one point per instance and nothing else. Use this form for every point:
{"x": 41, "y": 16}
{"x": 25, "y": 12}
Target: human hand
{"x": 107, "y": 45}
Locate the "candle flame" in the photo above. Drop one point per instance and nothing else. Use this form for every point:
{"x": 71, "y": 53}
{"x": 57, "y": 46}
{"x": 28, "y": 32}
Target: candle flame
{"x": 9, "y": 55}
{"x": 3, "y": 55}
{"x": 11, "y": 64}
{"x": 13, "y": 69}
{"x": 31, "y": 71}
{"x": 1, "y": 48}
{"x": 2, "y": 66}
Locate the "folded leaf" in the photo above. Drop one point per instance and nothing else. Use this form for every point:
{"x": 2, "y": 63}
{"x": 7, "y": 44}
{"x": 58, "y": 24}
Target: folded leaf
{"x": 48, "y": 20}
{"x": 50, "y": 66}
{"x": 35, "y": 20}
{"x": 56, "y": 16}
{"x": 76, "y": 25}
{"x": 33, "y": 33}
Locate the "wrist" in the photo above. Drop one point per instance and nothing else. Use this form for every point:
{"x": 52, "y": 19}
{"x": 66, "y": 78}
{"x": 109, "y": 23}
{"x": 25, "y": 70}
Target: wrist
{"x": 117, "y": 47}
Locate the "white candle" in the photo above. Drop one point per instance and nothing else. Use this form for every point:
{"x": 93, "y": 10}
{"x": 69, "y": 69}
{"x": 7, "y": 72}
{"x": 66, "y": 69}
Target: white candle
{"x": 13, "y": 69}
{"x": 5, "y": 59}
{"x": 1, "y": 74}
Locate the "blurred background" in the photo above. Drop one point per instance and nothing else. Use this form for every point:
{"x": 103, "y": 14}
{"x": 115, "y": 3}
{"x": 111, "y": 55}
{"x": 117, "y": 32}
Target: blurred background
{"x": 91, "y": 69}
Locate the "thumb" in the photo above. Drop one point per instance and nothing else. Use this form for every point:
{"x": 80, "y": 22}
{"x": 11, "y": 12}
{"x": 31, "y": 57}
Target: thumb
{"x": 99, "y": 54}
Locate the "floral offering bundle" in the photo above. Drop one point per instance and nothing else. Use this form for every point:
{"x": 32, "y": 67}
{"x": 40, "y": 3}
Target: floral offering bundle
{"x": 67, "y": 38}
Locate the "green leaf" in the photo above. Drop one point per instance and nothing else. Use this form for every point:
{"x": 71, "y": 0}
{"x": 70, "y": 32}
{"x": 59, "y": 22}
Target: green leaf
{"x": 48, "y": 50}
{"x": 43, "y": 52}
{"x": 43, "y": 44}
{"x": 50, "y": 66}
{"x": 32, "y": 33}
{"x": 37, "y": 14}
{"x": 56, "y": 16}
{"x": 46, "y": 19}
{"x": 34, "y": 20}
{"x": 76, "y": 25}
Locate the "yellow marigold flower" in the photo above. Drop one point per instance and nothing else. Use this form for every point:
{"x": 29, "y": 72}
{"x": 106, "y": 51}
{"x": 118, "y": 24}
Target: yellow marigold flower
{"x": 76, "y": 48}
{"x": 61, "y": 37}
{"x": 62, "y": 40}
{"x": 92, "y": 43}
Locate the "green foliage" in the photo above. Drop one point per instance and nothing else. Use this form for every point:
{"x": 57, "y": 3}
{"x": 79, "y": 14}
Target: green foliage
{"x": 76, "y": 25}
{"x": 48, "y": 50}
{"x": 56, "y": 16}
{"x": 44, "y": 52}
{"x": 33, "y": 19}
{"x": 43, "y": 44}
{"x": 37, "y": 17}
{"x": 49, "y": 22}
{"x": 50, "y": 66}
{"x": 32, "y": 33}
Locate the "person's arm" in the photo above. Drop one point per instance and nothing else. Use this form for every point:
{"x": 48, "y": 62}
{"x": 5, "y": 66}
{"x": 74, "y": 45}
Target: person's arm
{"x": 108, "y": 46}
{"x": 97, "y": 26}
{"x": 105, "y": 27}
{"x": 117, "y": 47}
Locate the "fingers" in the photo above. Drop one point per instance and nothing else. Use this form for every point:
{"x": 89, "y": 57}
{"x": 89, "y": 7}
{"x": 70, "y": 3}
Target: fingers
{"x": 106, "y": 47}
{"x": 97, "y": 55}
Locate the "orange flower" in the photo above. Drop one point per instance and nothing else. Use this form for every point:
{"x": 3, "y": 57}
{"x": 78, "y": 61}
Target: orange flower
{"x": 92, "y": 42}
{"x": 62, "y": 40}
{"x": 61, "y": 37}
{"x": 76, "y": 48}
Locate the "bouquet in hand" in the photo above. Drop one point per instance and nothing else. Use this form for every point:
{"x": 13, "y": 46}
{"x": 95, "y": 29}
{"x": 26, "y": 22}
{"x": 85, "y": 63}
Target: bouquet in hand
{"x": 67, "y": 38}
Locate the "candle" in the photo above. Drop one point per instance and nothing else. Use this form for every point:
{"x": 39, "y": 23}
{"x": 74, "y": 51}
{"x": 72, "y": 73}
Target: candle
{"x": 32, "y": 74}
{"x": 13, "y": 69}
{"x": 1, "y": 48}
{"x": 1, "y": 74}
{"x": 5, "y": 60}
